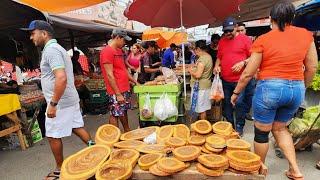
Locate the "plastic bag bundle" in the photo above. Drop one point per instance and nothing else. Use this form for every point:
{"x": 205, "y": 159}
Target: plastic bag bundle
{"x": 217, "y": 93}
{"x": 151, "y": 139}
{"x": 146, "y": 111}
{"x": 164, "y": 108}
{"x": 170, "y": 76}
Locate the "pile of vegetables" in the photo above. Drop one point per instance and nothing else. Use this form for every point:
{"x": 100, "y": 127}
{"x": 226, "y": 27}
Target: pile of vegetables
{"x": 300, "y": 126}
{"x": 316, "y": 81}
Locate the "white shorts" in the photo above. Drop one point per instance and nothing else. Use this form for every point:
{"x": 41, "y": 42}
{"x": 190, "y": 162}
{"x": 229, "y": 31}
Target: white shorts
{"x": 204, "y": 102}
{"x": 66, "y": 119}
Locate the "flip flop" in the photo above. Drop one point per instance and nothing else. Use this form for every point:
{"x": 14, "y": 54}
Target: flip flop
{"x": 290, "y": 176}
{"x": 318, "y": 165}
{"x": 54, "y": 175}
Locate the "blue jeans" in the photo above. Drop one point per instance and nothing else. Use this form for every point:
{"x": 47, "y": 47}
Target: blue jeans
{"x": 277, "y": 100}
{"x": 241, "y": 107}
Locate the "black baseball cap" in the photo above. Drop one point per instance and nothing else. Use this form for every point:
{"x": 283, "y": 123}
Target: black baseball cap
{"x": 121, "y": 33}
{"x": 229, "y": 24}
{"x": 40, "y": 25}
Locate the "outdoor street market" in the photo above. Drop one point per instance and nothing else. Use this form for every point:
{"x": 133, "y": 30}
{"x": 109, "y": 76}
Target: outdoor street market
{"x": 159, "y": 89}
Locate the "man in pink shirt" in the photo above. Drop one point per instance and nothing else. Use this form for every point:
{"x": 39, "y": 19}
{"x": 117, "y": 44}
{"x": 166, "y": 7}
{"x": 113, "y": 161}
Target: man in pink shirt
{"x": 233, "y": 54}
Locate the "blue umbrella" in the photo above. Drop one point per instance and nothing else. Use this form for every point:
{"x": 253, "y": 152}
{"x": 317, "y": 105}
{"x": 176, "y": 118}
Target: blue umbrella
{"x": 308, "y": 16}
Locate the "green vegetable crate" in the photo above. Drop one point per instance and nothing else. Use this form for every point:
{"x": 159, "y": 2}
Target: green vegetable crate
{"x": 35, "y": 132}
{"x": 98, "y": 96}
{"x": 155, "y": 92}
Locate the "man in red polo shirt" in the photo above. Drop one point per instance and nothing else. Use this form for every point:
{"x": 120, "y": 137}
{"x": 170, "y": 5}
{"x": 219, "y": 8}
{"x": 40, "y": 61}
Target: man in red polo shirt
{"x": 117, "y": 77}
{"x": 233, "y": 54}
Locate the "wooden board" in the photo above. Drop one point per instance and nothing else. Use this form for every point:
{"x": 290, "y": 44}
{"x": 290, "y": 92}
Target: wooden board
{"x": 192, "y": 173}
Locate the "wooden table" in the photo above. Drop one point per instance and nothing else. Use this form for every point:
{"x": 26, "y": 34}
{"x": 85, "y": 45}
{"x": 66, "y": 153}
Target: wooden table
{"x": 9, "y": 104}
{"x": 192, "y": 173}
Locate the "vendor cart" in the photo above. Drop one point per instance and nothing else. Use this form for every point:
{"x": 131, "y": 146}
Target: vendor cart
{"x": 155, "y": 92}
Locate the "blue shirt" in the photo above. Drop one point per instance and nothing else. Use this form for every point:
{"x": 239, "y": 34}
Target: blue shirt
{"x": 168, "y": 58}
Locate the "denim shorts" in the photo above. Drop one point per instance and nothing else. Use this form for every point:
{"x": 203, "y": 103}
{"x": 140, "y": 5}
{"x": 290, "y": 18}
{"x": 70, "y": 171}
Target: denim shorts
{"x": 277, "y": 100}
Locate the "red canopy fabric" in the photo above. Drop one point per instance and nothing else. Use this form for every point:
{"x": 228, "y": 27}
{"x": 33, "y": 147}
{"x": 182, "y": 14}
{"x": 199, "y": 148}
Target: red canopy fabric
{"x": 166, "y": 13}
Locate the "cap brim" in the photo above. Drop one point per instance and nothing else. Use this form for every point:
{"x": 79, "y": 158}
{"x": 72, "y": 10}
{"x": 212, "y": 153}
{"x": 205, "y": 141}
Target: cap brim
{"x": 127, "y": 38}
{"x": 27, "y": 29}
{"x": 228, "y": 28}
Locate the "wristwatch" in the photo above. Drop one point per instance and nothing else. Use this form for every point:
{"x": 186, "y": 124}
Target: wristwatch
{"x": 54, "y": 104}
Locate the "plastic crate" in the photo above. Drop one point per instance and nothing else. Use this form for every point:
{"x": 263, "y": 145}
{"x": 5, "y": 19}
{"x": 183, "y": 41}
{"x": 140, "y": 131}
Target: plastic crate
{"x": 35, "y": 125}
{"x": 155, "y": 92}
{"x": 36, "y": 135}
{"x": 96, "y": 108}
{"x": 98, "y": 96}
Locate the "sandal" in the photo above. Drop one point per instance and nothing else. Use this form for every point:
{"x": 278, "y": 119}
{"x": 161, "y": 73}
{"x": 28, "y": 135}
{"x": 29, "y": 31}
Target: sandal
{"x": 54, "y": 175}
{"x": 318, "y": 165}
{"x": 290, "y": 176}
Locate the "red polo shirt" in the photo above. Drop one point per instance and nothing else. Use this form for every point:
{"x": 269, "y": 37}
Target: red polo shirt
{"x": 115, "y": 57}
{"x": 230, "y": 52}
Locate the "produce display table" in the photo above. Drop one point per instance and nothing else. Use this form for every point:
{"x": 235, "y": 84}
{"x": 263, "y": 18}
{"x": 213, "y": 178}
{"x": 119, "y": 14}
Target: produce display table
{"x": 192, "y": 173}
{"x": 9, "y": 104}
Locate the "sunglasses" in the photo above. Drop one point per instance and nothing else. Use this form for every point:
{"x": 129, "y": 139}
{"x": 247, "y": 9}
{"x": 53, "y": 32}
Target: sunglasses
{"x": 228, "y": 31}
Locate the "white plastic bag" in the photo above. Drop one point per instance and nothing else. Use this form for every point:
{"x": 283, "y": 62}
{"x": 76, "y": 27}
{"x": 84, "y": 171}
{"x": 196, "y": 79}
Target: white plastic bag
{"x": 146, "y": 111}
{"x": 170, "y": 76}
{"x": 164, "y": 108}
{"x": 171, "y": 109}
{"x": 217, "y": 93}
{"x": 151, "y": 139}
{"x": 160, "y": 109}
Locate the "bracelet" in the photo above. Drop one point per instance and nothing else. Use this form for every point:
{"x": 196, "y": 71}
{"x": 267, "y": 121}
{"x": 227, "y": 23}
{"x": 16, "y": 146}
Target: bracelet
{"x": 236, "y": 93}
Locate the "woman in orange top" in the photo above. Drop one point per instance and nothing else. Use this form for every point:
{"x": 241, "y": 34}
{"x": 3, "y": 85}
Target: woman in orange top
{"x": 287, "y": 61}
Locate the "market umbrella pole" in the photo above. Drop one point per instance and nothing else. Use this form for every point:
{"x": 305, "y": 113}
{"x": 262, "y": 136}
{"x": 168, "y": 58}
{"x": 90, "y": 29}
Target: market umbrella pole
{"x": 183, "y": 58}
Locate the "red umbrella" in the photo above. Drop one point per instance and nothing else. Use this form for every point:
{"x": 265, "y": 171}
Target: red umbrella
{"x": 170, "y": 13}
{"x": 180, "y": 13}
